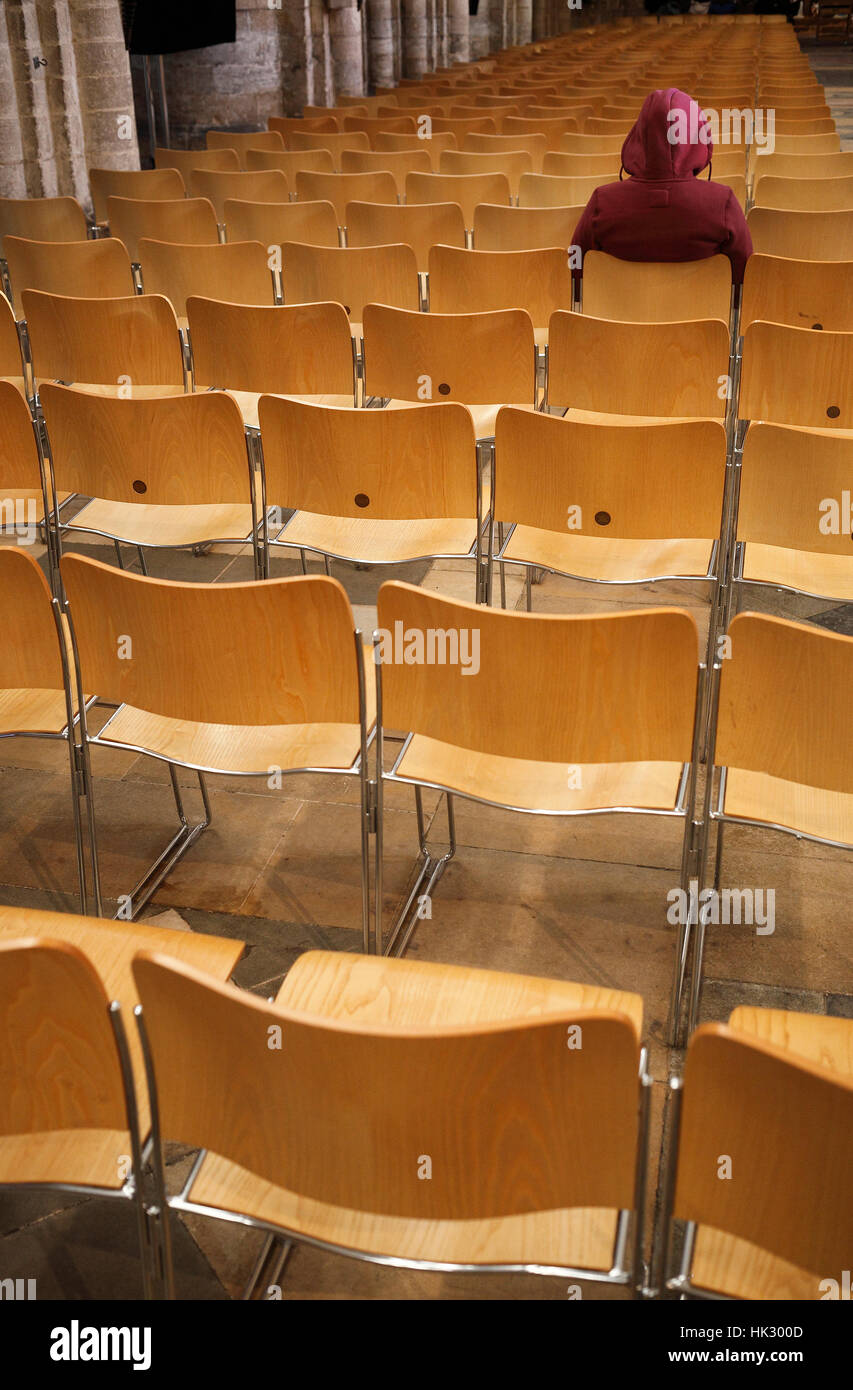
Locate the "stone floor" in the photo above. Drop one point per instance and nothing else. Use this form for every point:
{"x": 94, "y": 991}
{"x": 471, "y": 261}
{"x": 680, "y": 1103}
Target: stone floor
{"x": 280, "y": 870}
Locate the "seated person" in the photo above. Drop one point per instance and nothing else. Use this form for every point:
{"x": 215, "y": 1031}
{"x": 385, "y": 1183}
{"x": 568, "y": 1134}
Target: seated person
{"x": 664, "y": 211}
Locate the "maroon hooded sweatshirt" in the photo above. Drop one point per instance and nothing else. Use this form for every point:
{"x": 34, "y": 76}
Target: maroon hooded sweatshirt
{"x": 664, "y": 212}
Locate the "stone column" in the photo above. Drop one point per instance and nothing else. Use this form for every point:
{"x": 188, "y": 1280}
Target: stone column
{"x": 541, "y": 25}
{"x": 380, "y": 39}
{"x": 497, "y": 25}
{"x": 414, "y": 26}
{"x": 478, "y": 32}
{"x": 103, "y": 84}
{"x": 459, "y": 18}
{"x": 523, "y": 21}
{"x": 345, "y": 39}
{"x": 13, "y": 172}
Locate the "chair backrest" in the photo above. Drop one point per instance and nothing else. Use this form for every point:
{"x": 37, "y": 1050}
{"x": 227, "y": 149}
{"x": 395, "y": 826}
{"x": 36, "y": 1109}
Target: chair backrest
{"x": 807, "y": 473}
{"x": 187, "y": 160}
{"x": 470, "y": 282}
{"x": 340, "y": 189}
{"x": 43, "y": 219}
{"x": 295, "y": 348}
{"x": 512, "y": 163}
{"x": 807, "y": 144}
{"x": 642, "y": 665}
{"x": 465, "y": 189}
{"x": 167, "y": 450}
{"x": 11, "y": 362}
{"x": 250, "y": 186}
{"x": 665, "y": 369}
{"x": 94, "y": 269}
{"x": 289, "y": 162}
{"x": 626, "y": 481}
{"x": 188, "y": 220}
{"x": 805, "y": 195}
{"x": 534, "y": 145}
{"x": 306, "y": 125}
{"x": 474, "y": 125}
{"x": 473, "y": 358}
{"x": 132, "y": 183}
{"x": 587, "y": 144}
{"x": 767, "y": 1109}
{"x": 802, "y": 294}
{"x": 499, "y": 228}
{"x": 353, "y": 276}
{"x": 556, "y": 191}
{"x": 434, "y": 146}
{"x": 59, "y": 1063}
{"x": 242, "y": 141}
{"x": 238, "y": 271}
{"x": 795, "y": 376}
{"x": 290, "y": 646}
{"x": 553, "y": 128}
{"x": 274, "y": 223}
{"x": 372, "y": 125}
{"x": 419, "y": 225}
{"x": 398, "y": 163}
{"x": 392, "y": 464}
{"x": 784, "y": 702}
{"x": 334, "y": 143}
{"x": 655, "y": 292}
{"x": 804, "y": 166}
{"x": 349, "y": 106}
{"x": 573, "y": 166}
{"x": 805, "y": 236}
{"x": 486, "y": 1101}
{"x": 30, "y": 657}
{"x": 134, "y": 340}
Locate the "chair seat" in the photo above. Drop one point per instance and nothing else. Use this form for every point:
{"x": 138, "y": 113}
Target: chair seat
{"x": 599, "y": 557}
{"x": 136, "y": 392}
{"x": 811, "y": 810}
{"x": 32, "y": 711}
{"x": 248, "y": 403}
{"x": 374, "y": 541}
{"x": 831, "y": 576}
{"x": 604, "y": 417}
{"x": 239, "y": 748}
{"x": 89, "y": 1156}
{"x": 29, "y": 495}
{"x": 372, "y": 991}
{"x": 484, "y": 416}
{"x": 535, "y": 786}
{"x": 144, "y": 524}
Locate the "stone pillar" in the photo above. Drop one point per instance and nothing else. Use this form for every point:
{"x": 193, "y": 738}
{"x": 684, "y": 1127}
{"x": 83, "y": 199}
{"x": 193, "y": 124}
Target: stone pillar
{"x": 414, "y": 27}
{"x": 103, "y": 84}
{"x": 13, "y": 170}
{"x": 479, "y": 31}
{"x": 541, "y": 25}
{"x": 459, "y": 19}
{"x": 345, "y": 39}
{"x": 380, "y": 38}
{"x": 523, "y": 21}
{"x": 497, "y": 25}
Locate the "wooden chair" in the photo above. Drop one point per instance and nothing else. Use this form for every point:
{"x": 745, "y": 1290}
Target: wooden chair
{"x": 511, "y": 163}
{"x": 638, "y": 491}
{"x": 586, "y": 145}
{"x": 769, "y": 1089}
{"x": 484, "y": 360}
{"x": 803, "y": 166}
{"x": 250, "y": 186}
{"x": 68, "y": 1112}
{"x": 656, "y": 292}
{"x": 810, "y": 126}
{"x": 604, "y": 167}
{"x": 802, "y": 294}
{"x": 534, "y": 145}
{"x": 36, "y": 687}
{"x": 13, "y": 368}
{"x": 373, "y": 125}
{"x": 243, "y": 141}
{"x": 349, "y": 106}
{"x": 191, "y": 221}
{"x": 165, "y": 473}
{"x": 556, "y": 191}
{"x": 398, "y": 163}
{"x": 419, "y": 225}
{"x": 289, "y": 162}
{"x": 376, "y": 487}
{"x": 333, "y": 144}
{"x": 471, "y": 282}
{"x": 499, "y": 1038}
{"x": 238, "y": 271}
{"x": 291, "y": 694}
{"x": 804, "y": 236}
{"x": 646, "y": 369}
{"x": 93, "y": 269}
{"x": 434, "y": 146}
{"x": 297, "y": 349}
{"x": 483, "y": 739}
{"x": 306, "y": 125}
{"x": 467, "y": 190}
{"x": 187, "y": 160}
{"x": 553, "y": 128}
{"x": 498, "y": 228}
{"x": 132, "y": 183}
{"x": 474, "y": 125}
{"x": 805, "y": 195}
{"x": 340, "y": 189}
{"x": 125, "y": 346}
{"x": 43, "y": 219}
{"x": 272, "y": 224}
{"x": 807, "y": 144}
{"x": 352, "y": 276}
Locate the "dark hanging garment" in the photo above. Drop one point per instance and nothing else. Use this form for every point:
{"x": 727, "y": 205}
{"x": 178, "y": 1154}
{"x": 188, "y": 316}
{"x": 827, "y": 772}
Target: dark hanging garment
{"x": 172, "y": 26}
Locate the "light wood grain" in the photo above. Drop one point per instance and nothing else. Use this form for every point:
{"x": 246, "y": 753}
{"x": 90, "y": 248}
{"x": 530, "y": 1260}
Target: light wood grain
{"x": 250, "y": 186}
{"x": 534, "y": 145}
{"x": 132, "y": 183}
{"x": 655, "y": 292}
{"x": 333, "y": 144}
{"x": 499, "y": 228}
{"x": 31, "y": 662}
{"x": 554, "y": 190}
{"x": 289, "y": 162}
{"x": 641, "y": 665}
{"x": 806, "y": 236}
{"x": 434, "y": 147}
{"x": 339, "y": 189}
{"x": 474, "y": 125}
{"x": 103, "y": 340}
{"x": 805, "y": 195}
{"x": 328, "y": 123}
{"x": 238, "y": 271}
{"x": 822, "y": 383}
{"x": 465, "y": 189}
{"x": 11, "y": 362}
{"x": 419, "y": 225}
{"x": 186, "y": 160}
{"x": 591, "y": 144}
{"x": 243, "y": 141}
{"x": 553, "y": 128}
{"x": 512, "y": 163}
{"x": 352, "y": 276}
{"x": 469, "y": 282}
{"x": 825, "y": 1041}
{"x": 804, "y": 166}
{"x": 187, "y": 220}
{"x": 372, "y": 125}
{"x": 43, "y": 219}
{"x": 398, "y": 163}
{"x": 272, "y": 224}
{"x": 295, "y": 348}
{"x": 800, "y": 469}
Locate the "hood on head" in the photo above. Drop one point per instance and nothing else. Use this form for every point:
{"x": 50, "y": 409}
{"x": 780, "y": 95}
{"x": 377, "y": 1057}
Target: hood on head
{"x": 661, "y": 145}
